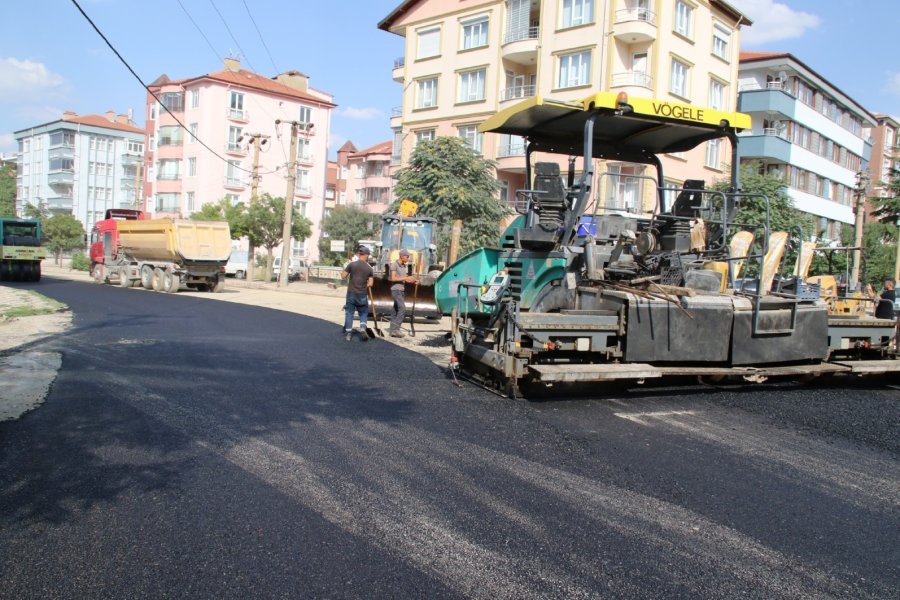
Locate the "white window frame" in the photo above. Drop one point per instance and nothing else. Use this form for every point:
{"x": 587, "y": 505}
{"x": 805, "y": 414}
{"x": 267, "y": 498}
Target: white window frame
{"x": 721, "y": 41}
{"x": 189, "y": 200}
{"x": 471, "y": 85}
{"x": 232, "y": 172}
{"x": 426, "y": 92}
{"x": 236, "y": 104}
{"x": 679, "y": 78}
{"x": 472, "y": 136}
{"x": 304, "y": 150}
{"x": 426, "y": 45}
{"x": 684, "y": 17}
{"x": 576, "y": 12}
{"x": 192, "y": 166}
{"x": 574, "y": 69}
{"x": 716, "y": 94}
{"x": 195, "y": 99}
{"x": 194, "y": 127}
{"x": 305, "y": 115}
{"x": 302, "y": 182}
{"x": 474, "y": 33}
{"x": 425, "y": 135}
{"x": 714, "y": 154}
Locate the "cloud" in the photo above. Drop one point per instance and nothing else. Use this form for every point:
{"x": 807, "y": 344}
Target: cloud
{"x": 23, "y": 79}
{"x": 8, "y": 143}
{"x": 361, "y": 114}
{"x": 335, "y": 141}
{"x": 773, "y": 21}
{"x": 893, "y": 84}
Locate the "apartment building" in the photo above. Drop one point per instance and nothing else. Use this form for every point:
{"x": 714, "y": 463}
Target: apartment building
{"x": 464, "y": 61}
{"x": 807, "y": 131}
{"x": 80, "y": 165}
{"x": 213, "y": 156}
{"x": 369, "y": 181}
{"x": 885, "y": 138}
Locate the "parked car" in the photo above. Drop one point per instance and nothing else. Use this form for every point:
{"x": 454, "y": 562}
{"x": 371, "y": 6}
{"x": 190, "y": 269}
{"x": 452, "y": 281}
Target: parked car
{"x": 296, "y": 272}
{"x": 237, "y": 265}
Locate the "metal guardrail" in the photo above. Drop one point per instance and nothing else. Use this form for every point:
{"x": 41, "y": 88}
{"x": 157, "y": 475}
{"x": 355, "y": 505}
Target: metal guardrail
{"x": 325, "y": 272}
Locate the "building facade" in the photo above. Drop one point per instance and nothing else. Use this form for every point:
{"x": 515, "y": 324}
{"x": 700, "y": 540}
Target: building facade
{"x": 213, "y": 156}
{"x": 369, "y": 182}
{"x": 464, "y": 61}
{"x": 80, "y": 165}
{"x": 806, "y": 131}
{"x": 885, "y": 154}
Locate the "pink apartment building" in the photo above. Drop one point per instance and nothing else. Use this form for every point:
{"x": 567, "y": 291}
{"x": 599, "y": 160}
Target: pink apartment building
{"x": 212, "y": 157}
{"x": 369, "y": 181}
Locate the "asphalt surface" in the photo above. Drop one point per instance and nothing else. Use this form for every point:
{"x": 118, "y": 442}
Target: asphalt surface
{"x": 199, "y": 449}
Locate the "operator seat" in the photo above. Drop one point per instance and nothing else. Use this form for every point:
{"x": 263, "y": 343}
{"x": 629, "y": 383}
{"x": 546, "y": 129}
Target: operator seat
{"x": 550, "y": 200}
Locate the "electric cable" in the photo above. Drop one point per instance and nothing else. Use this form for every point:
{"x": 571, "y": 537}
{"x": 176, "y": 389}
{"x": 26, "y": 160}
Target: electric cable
{"x": 234, "y": 39}
{"x": 216, "y": 53}
{"x": 259, "y": 33}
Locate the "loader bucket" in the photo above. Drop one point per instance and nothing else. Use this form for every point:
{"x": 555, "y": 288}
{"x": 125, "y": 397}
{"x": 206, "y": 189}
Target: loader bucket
{"x": 420, "y": 302}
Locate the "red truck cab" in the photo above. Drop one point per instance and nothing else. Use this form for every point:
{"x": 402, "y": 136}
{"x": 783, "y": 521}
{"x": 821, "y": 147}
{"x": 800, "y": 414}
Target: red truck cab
{"x": 104, "y": 236}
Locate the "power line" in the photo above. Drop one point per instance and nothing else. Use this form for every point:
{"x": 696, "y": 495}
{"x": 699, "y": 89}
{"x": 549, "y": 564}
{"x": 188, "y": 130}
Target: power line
{"x": 234, "y": 39}
{"x": 218, "y": 56}
{"x": 261, "y": 38}
{"x": 149, "y": 91}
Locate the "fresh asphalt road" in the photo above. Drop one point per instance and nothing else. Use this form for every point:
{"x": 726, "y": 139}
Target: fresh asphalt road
{"x": 192, "y": 448}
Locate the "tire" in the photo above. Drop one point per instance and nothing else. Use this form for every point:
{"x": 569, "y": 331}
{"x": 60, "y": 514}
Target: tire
{"x": 4, "y": 271}
{"x": 158, "y": 279}
{"x": 147, "y": 277}
{"x": 239, "y": 275}
{"x": 16, "y": 271}
{"x": 171, "y": 282}
{"x": 36, "y": 273}
{"x": 217, "y": 284}
{"x": 123, "y": 277}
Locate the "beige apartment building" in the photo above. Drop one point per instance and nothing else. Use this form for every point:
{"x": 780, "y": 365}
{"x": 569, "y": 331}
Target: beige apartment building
{"x": 466, "y": 60}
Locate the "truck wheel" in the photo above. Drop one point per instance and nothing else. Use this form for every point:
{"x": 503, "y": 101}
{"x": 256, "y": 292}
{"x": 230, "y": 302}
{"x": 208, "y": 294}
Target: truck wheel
{"x": 4, "y": 271}
{"x": 239, "y": 275}
{"x": 16, "y": 271}
{"x": 171, "y": 282}
{"x": 123, "y": 278}
{"x": 157, "y": 279}
{"x": 147, "y": 277}
{"x": 36, "y": 272}
{"x": 216, "y": 284}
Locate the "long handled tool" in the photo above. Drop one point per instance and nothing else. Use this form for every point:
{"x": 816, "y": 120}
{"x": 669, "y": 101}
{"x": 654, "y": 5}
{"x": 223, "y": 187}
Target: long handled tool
{"x": 412, "y": 313}
{"x": 369, "y": 331}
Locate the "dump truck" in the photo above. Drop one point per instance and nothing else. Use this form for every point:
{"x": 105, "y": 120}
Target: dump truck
{"x": 20, "y": 249}
{"x": 574, "y": 296}
{"x": 415, "y": 234}
{"x": 159, "y": 254}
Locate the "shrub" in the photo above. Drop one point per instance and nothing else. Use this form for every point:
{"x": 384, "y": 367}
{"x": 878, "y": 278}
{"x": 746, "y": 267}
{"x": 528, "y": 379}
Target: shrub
{"x": 80, "y": 262}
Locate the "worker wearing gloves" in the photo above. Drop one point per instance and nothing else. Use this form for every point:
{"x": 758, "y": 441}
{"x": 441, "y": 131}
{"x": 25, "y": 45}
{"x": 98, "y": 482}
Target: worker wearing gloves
{"x": 398, "y": 276}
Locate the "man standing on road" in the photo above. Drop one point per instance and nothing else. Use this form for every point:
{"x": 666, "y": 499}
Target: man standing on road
{"x": 398, "y": 276}
{"x": 360, "y": 275}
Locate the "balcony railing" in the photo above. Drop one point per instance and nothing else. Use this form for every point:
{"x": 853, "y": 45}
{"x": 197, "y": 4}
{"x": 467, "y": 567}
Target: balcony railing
{"x": 174, "y": 140}
{"x": 238, "y": 114}
{"x": 516, "y": 92}
{"x": 632, "y": 78}
{"x": 235, "y": 148}
{"x": 167, "y": 207}
{"x": 397, "y": 111}
{"x": 635, "y": 14}
{"x": 64, "y": 151}
{"x": 515, "y": 149}
{"x": 60, "y": 203}
{"x": 524, "y": 33}
{"x": 399, "y": 62}
{"x": 61, "y": 176}
{"x": 234, "y": 182}
{"x": 168, "y": 176}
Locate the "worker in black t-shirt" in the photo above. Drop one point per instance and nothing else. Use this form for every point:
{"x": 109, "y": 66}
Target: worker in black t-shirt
{"x": 885, "y": 308}
{"x": 361, "y": 277}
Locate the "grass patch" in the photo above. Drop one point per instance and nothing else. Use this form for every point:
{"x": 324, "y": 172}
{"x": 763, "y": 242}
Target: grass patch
{"x": 27, "y": 311}
{"x": 31, "y": 304}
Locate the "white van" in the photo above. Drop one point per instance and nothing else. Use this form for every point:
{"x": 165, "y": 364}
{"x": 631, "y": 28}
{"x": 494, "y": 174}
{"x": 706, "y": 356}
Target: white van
{"x": 237, "y": 265}
{"x": 296, "y": 272}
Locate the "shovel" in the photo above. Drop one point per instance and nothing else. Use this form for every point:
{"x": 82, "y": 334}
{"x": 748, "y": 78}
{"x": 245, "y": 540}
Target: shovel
{"x": 412, "y": 313}
{"x": 369, "y": 331}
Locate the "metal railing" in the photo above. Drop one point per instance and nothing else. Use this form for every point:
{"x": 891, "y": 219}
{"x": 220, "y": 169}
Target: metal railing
{"x": 516, "y": 92}
{"x": 238, "y": 114}
{"x": 523, "y": 33}
{"x": 399, "y": 62}
{"x": 234, "y": 182}
{"x": 516, "y": 149}
{"x": 632, "y": 78}
{"x": 636, "y": 14}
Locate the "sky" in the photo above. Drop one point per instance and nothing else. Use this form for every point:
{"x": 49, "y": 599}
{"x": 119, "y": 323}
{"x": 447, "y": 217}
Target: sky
{"x": 51, "y": 59}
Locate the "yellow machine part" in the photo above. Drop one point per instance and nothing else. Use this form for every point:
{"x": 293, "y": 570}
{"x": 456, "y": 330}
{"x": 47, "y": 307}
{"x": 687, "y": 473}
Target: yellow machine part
{"x": 854, "y": 305}
{"x": 777, "y": 244}
{"x": 719, "y": 267}
{"x": 740, "y": 246}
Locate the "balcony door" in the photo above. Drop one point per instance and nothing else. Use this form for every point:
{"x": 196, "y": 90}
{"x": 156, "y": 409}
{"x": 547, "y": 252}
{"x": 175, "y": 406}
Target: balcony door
{"x": 517, "y": 19}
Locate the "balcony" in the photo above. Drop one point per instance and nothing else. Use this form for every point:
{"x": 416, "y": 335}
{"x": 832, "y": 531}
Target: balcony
{"x": 396, "y": 117}
{"x": 168, "y": 176}
{"x": 234, "y": 183}
{"x": 238, "y": 114}
{"x": 130, "y": 159}
{"x": 517, "y": 92}
{"x": 61, "y": 177}
{"x": 236, "y": 149}
{"x": 635, "y": 25}
{"x": 769, "y": 101}
{"x": 399, "y": 69}
{"x": 632, "y": 79}
{"x": 64, "y": 151}
{"x": 772, "y": 147}
{"x": 60, "y": 203}
{"x": 521, "y": 45}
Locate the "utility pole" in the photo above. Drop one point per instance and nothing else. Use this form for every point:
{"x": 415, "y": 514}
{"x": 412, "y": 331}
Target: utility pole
{"x": 862, "y": 180}
{"x": 289, "y": 201}
{"x": 257, "y": 139}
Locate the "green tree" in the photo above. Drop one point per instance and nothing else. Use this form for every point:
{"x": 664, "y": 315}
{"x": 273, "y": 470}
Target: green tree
{"x": 265, "y": 224}
{"x": 38, "y": 211}
{"x": 450, "y": 181}
{"x": 61, "y": 233}
{"x": 347, "y": 223}
{"x": 7, "y": 190}
{"x": 887, "y": 209}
